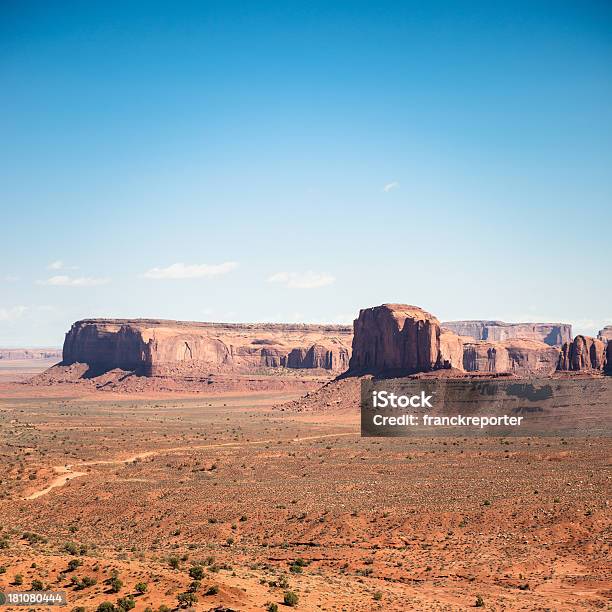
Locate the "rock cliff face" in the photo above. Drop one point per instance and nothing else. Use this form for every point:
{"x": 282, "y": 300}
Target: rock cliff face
{"x": 583, "y": 354}
{"x": 605, "y": 334}
{"x": 151, "y": 346}
{"x": 608, "y": 368}
{"x": 451, "y": 350}
{"x": 514, "y": 356}
{"x": 553, "y": 334}
{"x": 395, "y": 339}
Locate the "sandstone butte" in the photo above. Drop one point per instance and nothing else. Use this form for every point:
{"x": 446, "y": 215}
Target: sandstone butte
{"x": 161, "y": 347}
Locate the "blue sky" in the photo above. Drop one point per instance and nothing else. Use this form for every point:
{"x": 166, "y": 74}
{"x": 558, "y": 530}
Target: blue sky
{"x": 297, "y": 161}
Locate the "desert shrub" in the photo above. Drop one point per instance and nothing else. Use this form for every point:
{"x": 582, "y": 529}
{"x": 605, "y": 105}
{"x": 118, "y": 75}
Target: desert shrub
{"x": 271, "y": 607}
{"x": 377, "y": 596}
{"x": 106, "y": 606}
{"x": 34, "y": 538}
{"x": 196, "y": 572}
{"x": 213, "y": 589}
{"x": 283, "y": 583}
{"x": 163, "y": 608}
{"x": 126, "y": 603}
{"x": 173, "y": 562}
{"x": 4, "y": 543}
{"x": 479, "y": 602}
{"x": 71, "y": 548}
{"x": 88, "y": 581}
{"x": 185, "y": 599}
{"x": 18, "y": 580}
{"x": 37, "y": 585}
{"x": 194, "y": 586}
{"x": 290, "y": 599}
{"x": 73, "y": 564}
{"x": 243, "y": 518}
{"x": 141, "y": 587}
{"x": 295, "y": 569}
{"x": 2, "y": 569}
{"x": 79, "y": 609}
{"x": 115, "y": 584}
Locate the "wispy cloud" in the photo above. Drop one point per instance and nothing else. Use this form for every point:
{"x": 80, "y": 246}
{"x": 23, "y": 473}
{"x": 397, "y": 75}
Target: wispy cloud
{"x": 391, "y": 186}
{"x": 63, "y": 280}
{"x": 304, "y": 280}
{"x": 182, "y": 271}
{"x": 13, "y": 313}
{"x": 10, "y": 278}
{"x": 58, "y": 264}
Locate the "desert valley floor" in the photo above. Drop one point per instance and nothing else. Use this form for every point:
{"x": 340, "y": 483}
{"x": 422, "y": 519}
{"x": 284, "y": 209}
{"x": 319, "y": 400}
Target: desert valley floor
{"x": 266, "y": 499}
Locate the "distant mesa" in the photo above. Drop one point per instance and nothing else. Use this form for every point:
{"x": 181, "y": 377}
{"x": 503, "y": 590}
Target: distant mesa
{"x": 22, "y": 353}
{"x": 154, "y": 347}
{"x": 553, "y": 334}
{"x": 605, "y": 334}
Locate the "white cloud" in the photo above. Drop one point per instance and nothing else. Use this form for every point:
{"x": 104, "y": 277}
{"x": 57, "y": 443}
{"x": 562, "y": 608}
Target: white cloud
{"x": 58, "y": 264}
{"x": 390, "y": 186}
{"x": 305, "y": 280}
{"x": 10, "y": 278}
{"x": 11, "y": 314}
{"x": 181, "y": 270}
{"x": 63, "y": 280}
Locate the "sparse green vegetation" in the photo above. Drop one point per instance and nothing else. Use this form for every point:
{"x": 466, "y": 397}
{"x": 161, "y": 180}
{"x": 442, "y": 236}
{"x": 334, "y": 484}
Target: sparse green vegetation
{"x": 185, "y": 599}
{"x": 290, "y": 599}
{"x": 196, "y": 572}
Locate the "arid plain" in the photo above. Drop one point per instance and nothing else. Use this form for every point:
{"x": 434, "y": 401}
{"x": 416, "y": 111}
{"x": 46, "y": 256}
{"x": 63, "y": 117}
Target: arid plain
{"x": 234, "y": 500}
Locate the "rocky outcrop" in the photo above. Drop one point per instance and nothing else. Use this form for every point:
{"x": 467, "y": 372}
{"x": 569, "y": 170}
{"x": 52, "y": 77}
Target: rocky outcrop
{"x": 553, "y": 334}
{"x": 158, "y": 347}
{"x": 605, "y": 334}
{"x": 513, "y": 356}
{"x": 451, "y": 350}
{"x": 21, "y": 353}
{"x": 395, "y": 339}
{"x": 583, "y": 354}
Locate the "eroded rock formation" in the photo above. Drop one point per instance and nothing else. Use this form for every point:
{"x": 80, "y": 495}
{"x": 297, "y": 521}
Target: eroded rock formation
{"x": 395, "y": 338}
{"x": 514, "y": 356}
{"x": 583, "y": 354}
{"x": 553, "y": 334}
{"x": 153, "y": 347}
{"x": 451, "y": 349}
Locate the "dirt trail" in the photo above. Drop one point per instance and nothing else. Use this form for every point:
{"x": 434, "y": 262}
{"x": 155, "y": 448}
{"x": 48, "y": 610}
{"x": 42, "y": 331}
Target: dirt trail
{"x": 66, "y": 473}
